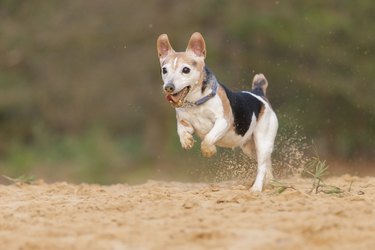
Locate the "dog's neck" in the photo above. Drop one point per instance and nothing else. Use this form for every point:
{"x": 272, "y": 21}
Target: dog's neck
{"x": 207, "y": 79}
{"x": 208, "y": 90}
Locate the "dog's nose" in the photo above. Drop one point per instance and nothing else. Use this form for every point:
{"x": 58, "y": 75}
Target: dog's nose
{"x": 169, "y": 87}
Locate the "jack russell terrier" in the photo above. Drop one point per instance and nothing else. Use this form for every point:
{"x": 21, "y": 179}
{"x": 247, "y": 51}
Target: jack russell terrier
{"x": 219, "y": 116}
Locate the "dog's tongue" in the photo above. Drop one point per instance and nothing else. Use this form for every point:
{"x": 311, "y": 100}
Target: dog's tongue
{"x": 169, "y": 98}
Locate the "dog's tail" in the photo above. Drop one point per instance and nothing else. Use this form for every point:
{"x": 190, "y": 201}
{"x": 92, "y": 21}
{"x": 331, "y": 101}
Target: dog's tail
{"x": 260, "y": 84}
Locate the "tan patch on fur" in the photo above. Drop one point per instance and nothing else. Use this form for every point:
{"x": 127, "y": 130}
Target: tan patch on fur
{"x": 261, "y": 112}
{"x": 249, "y": 148}
{"x": 185, "y": 123}
{"x": 226, "y": 106}
{"x": 183, "y": 57}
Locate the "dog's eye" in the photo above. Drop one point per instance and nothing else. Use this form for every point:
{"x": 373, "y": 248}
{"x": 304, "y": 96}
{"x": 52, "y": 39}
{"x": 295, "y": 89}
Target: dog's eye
{"x": 164, "y": 70}
{"x": 186, "y": 70}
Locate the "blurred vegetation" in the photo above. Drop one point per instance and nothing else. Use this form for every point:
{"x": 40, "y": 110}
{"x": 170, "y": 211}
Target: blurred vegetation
{"x": 80, "y": 88}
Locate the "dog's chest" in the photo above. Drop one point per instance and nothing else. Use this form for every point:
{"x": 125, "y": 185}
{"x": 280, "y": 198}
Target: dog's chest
{"x": 202, "y": 118}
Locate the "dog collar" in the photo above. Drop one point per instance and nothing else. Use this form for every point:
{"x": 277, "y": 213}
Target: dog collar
{"x": 209, "y": 96}
{"x": 204, "y": 98}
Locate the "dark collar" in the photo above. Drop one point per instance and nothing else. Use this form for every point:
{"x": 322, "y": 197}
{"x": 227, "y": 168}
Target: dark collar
{"x": 210, "y": 95}
{"x": 209, "y": 79}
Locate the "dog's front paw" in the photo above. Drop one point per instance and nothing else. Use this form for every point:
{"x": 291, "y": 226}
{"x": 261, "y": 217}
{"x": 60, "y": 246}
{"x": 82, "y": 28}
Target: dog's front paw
{"x": 187, "y": 142}
{"x": 208, "y": 150}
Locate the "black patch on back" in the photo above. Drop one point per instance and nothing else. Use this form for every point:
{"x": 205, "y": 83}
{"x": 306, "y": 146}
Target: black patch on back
{"x": 243, "y": 107}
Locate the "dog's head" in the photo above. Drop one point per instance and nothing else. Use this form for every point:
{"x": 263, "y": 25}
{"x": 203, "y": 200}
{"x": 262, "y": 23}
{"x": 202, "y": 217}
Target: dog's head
{"x": 182, "y": 72}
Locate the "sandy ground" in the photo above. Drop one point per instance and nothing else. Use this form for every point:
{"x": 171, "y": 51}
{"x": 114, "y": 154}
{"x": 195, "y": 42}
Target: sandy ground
{"x": 171, "y": 215}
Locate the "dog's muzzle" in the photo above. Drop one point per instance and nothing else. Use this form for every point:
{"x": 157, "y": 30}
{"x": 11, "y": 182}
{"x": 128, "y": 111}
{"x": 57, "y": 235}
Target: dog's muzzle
{"x": 177, "y": 99}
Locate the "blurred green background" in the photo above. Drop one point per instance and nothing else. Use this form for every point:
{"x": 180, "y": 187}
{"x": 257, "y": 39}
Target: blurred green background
{"x": 80, "y": 86}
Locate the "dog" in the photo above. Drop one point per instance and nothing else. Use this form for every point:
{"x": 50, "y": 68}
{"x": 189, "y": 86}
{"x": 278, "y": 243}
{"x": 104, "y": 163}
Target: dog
{"x": 219, "y": 116}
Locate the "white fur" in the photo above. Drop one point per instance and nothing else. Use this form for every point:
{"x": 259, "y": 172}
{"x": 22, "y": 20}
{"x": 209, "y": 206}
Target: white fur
{"x": 210, "y": 125}
{"x": 174, "y": 75}
{"x": 264, "y": 137}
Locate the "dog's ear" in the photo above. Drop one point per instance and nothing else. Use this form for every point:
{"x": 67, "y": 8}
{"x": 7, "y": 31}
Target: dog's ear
{"x": 197, "y": 45}
{"x": 163, "y": 46}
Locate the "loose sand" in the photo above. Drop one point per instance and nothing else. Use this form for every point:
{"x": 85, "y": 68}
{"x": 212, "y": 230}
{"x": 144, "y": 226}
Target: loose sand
{"x": 171, "y": 215}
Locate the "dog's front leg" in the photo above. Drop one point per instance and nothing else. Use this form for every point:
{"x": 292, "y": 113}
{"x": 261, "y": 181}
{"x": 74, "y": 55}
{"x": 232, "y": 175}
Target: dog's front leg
{"x": 185, "y": 131}
{"x": 208, "y": 147}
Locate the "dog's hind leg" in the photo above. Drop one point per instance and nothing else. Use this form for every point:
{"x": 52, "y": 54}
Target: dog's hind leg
{"x": 264, "y": 137}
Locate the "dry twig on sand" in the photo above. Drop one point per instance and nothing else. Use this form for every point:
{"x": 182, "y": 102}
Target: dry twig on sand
{"x": 280, "y": 186}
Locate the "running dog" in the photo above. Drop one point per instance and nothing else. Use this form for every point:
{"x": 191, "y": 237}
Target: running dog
{"x": 219, "y": 116}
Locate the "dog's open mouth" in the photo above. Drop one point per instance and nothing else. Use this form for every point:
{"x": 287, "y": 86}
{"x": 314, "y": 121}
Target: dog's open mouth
{"x": 177, "y": 100}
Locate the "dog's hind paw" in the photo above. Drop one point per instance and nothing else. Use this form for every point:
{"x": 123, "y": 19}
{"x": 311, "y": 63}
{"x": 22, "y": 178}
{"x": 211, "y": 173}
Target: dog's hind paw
{"x": 256, "y": 188}
{"x": 208, "y": 150}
